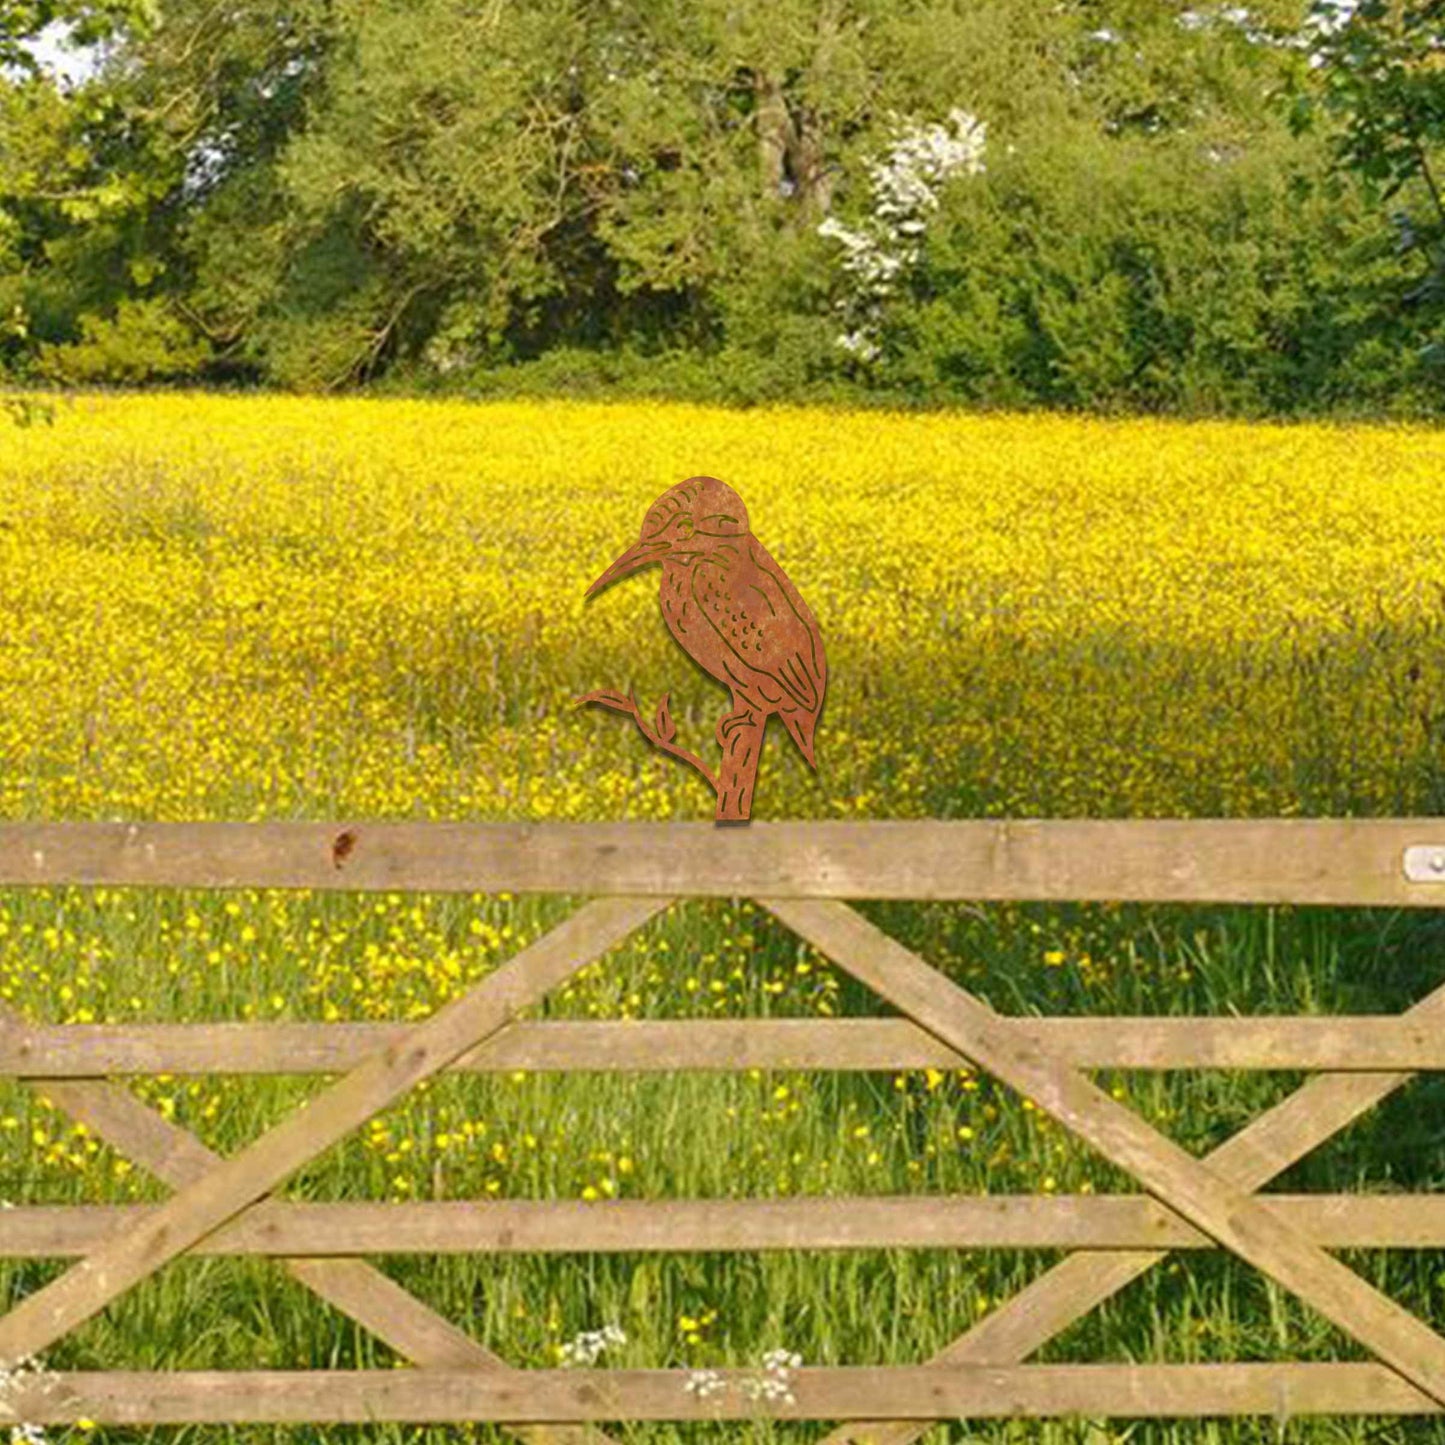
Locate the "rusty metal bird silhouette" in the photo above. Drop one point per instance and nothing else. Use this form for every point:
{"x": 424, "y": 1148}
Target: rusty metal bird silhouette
{"x": 736, "y": 614}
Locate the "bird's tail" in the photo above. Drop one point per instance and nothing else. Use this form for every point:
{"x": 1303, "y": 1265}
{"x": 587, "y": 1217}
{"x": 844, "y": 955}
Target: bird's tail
{"x": 800, "y": 726}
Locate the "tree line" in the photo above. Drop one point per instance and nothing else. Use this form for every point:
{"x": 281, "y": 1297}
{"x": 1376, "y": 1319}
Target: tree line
{"x": 1102, "y": 204}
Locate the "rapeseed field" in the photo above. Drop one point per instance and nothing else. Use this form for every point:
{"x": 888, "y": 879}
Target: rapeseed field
{"x": 246, "y": 608}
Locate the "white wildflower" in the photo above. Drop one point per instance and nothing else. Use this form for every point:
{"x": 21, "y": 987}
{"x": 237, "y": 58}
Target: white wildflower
{"x": 772, "y": 1383}
{"x": 769, "y": 1388}
{"x": 775, "y": 1381}
{"x": 782, "y": 1362}
{"x": 589, "y": 1345}
{"x": 703, "y": 1383}
{"x": 905, "y": 183}
{"x": 15, "y": 1377}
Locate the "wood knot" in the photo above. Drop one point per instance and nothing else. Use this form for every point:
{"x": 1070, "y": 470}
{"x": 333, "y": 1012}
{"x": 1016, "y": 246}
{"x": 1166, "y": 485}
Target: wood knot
{"x": 341, "y": 847}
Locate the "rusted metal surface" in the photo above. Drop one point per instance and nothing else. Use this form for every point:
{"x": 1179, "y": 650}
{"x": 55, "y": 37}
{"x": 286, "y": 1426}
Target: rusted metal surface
{"x": 736, "y": 614}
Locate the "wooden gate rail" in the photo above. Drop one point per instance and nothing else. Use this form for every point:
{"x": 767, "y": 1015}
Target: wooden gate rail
{"x": 869, "y": 1221}
{"x": 1262, "y": 1041}
{"x": 1171, "y": 860}
{"x": 798, "y": 871}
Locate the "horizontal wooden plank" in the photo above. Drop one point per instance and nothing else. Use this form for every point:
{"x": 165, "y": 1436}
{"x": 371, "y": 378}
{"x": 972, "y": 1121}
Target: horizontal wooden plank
{"x": 1262, "y": 860}
{"x": 1012, "y": 1221}
{"x": 1171, "y": 1173}
{"x": 900, "y": 1392}
{"x": 1081, "y": 1281}
{"x": 207, "y": 1203}
{"x": 354, "y": 1286}
{"x": 1340, "y": 1043}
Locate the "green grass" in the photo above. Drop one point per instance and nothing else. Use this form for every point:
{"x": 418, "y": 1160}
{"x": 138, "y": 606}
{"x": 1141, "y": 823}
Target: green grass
{"x": 133, "y": 955}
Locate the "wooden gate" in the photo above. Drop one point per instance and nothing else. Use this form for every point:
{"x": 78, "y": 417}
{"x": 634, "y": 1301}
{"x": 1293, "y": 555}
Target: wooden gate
{"x": 802, "y": 873}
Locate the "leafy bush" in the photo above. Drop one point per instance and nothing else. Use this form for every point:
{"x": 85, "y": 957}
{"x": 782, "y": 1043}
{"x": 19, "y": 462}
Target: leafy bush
{"x": 1135, "y": 275}
{"x": 143, "y": 341}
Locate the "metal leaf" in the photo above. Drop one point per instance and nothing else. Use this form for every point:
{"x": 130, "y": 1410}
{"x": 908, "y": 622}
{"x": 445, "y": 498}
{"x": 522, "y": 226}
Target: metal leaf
{"x": 605, "y": 698}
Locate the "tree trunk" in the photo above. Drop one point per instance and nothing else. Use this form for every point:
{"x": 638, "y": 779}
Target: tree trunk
{"x": 775, "y": 132}
{"x": 810, "y": 167}
{"x": 790, "y": 149}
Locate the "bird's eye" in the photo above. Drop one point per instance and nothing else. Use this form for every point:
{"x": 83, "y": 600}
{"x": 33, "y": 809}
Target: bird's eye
{"x": 684, "y": 528}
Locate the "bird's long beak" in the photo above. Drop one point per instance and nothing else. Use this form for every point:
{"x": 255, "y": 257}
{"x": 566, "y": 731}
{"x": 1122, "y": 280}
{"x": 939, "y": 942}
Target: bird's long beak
{"x": 644, "y": 554}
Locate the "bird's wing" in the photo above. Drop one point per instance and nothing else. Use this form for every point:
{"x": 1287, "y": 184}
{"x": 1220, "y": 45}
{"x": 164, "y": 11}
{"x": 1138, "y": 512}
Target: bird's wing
{"x": 801, "y": 667}
{"x": 775, "y": 633}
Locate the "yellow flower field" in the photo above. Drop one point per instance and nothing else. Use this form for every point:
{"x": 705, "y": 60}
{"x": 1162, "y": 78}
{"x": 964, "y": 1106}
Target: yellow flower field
{"x": 271, "y": 607}
{"x": 238, "y": 607}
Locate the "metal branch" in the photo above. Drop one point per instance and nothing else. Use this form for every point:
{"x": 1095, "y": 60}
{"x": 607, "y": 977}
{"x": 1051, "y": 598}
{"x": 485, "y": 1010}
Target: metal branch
{"x": 628, "y": 704}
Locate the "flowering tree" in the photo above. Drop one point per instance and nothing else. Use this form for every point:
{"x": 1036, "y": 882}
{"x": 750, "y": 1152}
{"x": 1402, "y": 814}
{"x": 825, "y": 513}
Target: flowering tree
{"x": 889, "y": 241}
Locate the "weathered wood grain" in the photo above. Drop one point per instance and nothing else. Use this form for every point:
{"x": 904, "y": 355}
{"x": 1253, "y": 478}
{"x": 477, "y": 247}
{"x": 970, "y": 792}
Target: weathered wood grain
{"x": 201, "y": 1206}
{"x": 1201, "y": 1195}
{"x": 176, "y": 1157}
{"x": 918, "y": 1392}
{"x": 1342, "y": 1042}
{"x": 511, "y": 1226}
{"x": 1260, "y": 860}
{"x": 1197, "y": 1205}
{"x": 1079, "y": 1283}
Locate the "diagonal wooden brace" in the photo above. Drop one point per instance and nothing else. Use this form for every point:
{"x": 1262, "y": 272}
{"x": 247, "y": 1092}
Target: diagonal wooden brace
{"x": 1208, "y": 1199}
{"x": 204, "y": 1204}
{"x": 356, "y": 1288}
{"x": 1082, "y": 1281}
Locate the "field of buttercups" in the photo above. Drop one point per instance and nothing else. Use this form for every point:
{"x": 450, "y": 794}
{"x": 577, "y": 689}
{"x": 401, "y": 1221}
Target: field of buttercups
{"x": 247, "y": 608}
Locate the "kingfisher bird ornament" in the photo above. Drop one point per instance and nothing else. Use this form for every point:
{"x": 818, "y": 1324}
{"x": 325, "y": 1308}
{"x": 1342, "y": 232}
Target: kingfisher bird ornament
{"x": 736, "y": 614}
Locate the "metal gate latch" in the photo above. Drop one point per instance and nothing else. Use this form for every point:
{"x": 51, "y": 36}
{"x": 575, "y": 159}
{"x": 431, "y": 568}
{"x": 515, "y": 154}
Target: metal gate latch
{"x": 1425, "y": 863}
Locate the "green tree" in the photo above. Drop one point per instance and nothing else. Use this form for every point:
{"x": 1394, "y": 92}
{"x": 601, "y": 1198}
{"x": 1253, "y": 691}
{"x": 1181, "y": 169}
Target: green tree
{"x": 321, "y": 193}
{"x": 109, "y": 191}
{"x": 599, "y": 175}
{"x": 1381, "y": 83}
{"x": 86, "y": 21}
